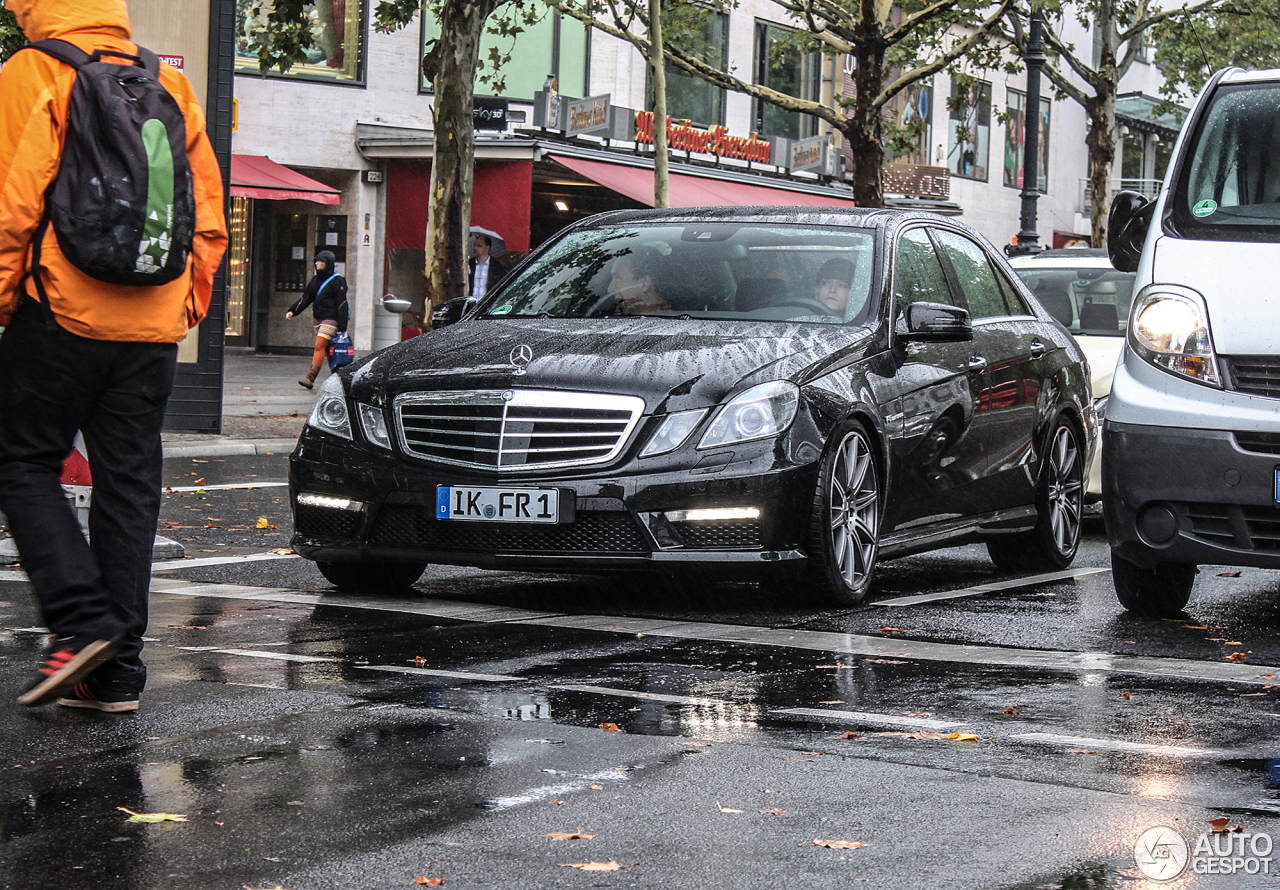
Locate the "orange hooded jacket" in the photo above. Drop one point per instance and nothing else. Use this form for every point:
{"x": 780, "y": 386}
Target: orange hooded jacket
{"x": 35, "y": 91}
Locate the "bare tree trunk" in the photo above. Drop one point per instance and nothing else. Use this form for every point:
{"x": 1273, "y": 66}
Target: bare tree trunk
{"x": 864, "y": 129}
{"x": 661, "y": 177}
{"x": 1101, "y": 137}
{"x": 453, "y": 162}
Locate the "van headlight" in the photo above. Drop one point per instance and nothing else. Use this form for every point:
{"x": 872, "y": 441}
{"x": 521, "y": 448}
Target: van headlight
{"x": 330, "y": 414}
{"x": 1170, "y": 329}
{"x": 762, "y": 411}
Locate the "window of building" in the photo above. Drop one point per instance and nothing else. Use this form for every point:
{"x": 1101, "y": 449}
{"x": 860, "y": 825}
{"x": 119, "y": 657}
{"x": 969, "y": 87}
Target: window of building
{"x": 781, "y": 65}
{"x": 1015, "y": 134}
{"x": 912, "y": 110}
{"x": 337, "y": 30}
{"x": 551, "y": 45}
{"x": 692, "y": 98}
{"x": 969, "y": 129}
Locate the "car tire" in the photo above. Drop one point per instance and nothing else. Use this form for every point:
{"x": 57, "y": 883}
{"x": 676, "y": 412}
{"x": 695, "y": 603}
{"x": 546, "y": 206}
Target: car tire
{"x": 844, "y": 524}
{"x": 375, "y": 576}
{"x": 1052, "y": 543}
{"x": 1160, "y": 592}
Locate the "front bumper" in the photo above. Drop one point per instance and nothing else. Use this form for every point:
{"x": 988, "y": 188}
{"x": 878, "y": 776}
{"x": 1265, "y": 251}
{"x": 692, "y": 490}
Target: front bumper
{"x": 1192, "y": 496}
{"x": 611, "y": 519}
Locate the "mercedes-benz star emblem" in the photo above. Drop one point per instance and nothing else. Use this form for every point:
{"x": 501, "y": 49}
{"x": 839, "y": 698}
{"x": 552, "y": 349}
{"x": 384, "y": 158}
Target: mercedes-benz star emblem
{"x": 520, "y": 357}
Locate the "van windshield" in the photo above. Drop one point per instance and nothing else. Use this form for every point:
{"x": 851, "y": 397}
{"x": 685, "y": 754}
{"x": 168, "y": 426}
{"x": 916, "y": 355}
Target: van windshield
{"x": 1230, "y": 189}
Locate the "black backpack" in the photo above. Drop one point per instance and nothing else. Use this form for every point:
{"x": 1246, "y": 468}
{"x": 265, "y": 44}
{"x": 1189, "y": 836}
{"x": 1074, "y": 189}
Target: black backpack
{"x": 122, "y": 204}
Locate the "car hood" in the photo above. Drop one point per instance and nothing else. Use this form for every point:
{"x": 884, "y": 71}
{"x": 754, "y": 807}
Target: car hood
{"x": 1237, "y": 281}
{"x": 673, "y": 364}
{"x": 1103, "y": 353}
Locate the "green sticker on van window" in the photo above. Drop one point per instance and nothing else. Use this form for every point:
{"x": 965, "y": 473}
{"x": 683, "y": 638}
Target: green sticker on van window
{"x": 1205, "y": 208}
{"x": 501, "y": 310}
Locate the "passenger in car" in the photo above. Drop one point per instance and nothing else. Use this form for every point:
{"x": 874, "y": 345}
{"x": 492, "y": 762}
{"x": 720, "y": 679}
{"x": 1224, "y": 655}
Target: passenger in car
{"x": 833, "y": 283}
{"x": 632, "y": 282}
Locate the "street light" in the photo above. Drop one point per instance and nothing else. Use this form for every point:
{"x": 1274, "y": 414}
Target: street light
{"x": 1028, "y": 240}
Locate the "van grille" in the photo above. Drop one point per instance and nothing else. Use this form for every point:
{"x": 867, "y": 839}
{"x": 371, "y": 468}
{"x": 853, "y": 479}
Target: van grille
{"x": 1256, "y": 375}
{"x": 1244, "y": 527}
{"x": 516, "y": 429}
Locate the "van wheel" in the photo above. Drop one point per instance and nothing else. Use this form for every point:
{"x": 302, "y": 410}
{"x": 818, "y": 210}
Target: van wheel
{"x": 1052, "y": 544}
{"x": 1161, "y": 592}
{"x": 372, "y": 576}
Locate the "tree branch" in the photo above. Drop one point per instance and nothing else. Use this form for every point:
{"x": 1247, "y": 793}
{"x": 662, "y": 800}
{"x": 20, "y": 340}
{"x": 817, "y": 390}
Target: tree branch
{"x": 918, "y": 19}
{"x": 982, "y": 33}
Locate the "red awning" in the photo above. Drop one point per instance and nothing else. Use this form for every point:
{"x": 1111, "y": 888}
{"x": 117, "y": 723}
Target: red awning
{"x": 255, "y": 176}
{"x": 693, "y": 191}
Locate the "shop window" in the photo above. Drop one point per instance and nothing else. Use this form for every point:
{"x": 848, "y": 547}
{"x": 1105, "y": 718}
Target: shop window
{"x": 337, "y": 30}
{"x": 238, "y": 268}
{"x": 1015, "y": 133}
{"x": 969, "y": 128}
{"x": 912, "y": 110}
{"x": 781, "y": 65}
{"x": 703, "y": 33}
{"x": 550, "y": 44}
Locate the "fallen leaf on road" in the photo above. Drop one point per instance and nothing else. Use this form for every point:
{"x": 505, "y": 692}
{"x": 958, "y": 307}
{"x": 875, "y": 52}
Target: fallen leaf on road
{"x": 962, "y": 737}
{"x": 282, "y": 551}
{"x": 1196, "y": 626}
{"x": 836, "y": 666}
{"x": 1228, "y": 574}
{"x": 803, "y": 759}
{"x": 610, "y": 727}
{"x": 834, "y": 845}
{"x": 1236, "y": 656}
{"x": 848, "y": 736}
{"x": 1079, "y": 751}
{"x": 188, "y": 626}
{"x": 1234, "y": 643}
{"x": 199, "y": 481}
{"x": 1222, "y": 825}
{"x": 832, "y": 701}
{"x": 771, "y": 791}
{"x": 263, "y": 523}
{"x": 1251, "y": 694}
{"x": 596, "y": 787}
{"x": 897, "y": 630}
{"x": 920, "y": 713}
{"x": 611, "y": 865}
{"x": 774, "y": 811}
{"x": 417, "y": 661}
{"x": 276, "y": 887}
{"x": 883, "y": 661}
{"x": 430, "y": 882}
{"x": 697, "y": 744}
{"x": 1126, "y": 696}
{"x": 726, "y": 809}
{"x": 1012, "y": 712}
{"x": 152, "y": 817}
{"x": 558, "y": 803}
{"x": 568, "y": 836}
{"x": 922, "y": 736}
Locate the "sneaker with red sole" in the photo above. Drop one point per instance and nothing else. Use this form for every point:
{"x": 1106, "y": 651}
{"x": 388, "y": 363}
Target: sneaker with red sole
{"x": 106, "y": 700}
{"x": 66, "y": 662}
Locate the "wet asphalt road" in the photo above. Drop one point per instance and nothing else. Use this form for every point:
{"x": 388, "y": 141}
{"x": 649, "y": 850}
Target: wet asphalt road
{"x": 316, "y": 740}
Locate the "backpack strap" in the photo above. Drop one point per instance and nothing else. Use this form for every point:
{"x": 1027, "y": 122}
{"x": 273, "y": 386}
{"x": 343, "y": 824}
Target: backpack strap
{"x": 63, "y": 51}
{"x": 46, "y": 308}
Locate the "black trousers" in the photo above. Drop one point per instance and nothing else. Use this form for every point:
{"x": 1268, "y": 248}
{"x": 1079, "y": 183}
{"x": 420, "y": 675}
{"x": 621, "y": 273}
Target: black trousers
{"x": 53, "y": 384}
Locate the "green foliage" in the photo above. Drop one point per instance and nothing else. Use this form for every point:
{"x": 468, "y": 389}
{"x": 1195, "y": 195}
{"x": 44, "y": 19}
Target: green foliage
{"x": 1245, "y": 33}
{"x": 11, "y": 37}
{"x": 279, "y": 30}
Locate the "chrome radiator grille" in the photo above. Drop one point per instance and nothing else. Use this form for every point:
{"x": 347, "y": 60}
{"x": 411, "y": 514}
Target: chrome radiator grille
{"x": 516, "y": 429}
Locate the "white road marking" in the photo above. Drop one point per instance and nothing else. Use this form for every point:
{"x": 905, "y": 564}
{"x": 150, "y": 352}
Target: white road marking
{"x": 177, "y": 564}
{"x": 255, "y": 653}
{"x": 648, "y": 696}
{"x": 448, "y": 675}
{"x": 1092, "y": 744}
{"x": 224, "y": 487}
{"x": 873, "y": 719}
{"x": 1013, "y": 584}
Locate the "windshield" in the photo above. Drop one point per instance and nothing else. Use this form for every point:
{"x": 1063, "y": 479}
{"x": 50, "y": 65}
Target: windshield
{"x": 1230, "y": 189}
{"x": 702, "y": 270}
{"x": 1086, "y": 301}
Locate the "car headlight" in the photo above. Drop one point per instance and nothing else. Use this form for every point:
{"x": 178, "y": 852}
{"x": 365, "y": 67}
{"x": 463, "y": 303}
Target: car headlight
{"x": 1170, "y": 329}
{"x": 673, "y": 432}
{"x": 330, "y": 413}
{"x": 374, "y": 424}
{"x": 762, "y": 411}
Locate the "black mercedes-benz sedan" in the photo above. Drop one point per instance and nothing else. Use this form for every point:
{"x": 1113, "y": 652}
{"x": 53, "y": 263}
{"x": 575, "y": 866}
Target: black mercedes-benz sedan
{"x": 779, "y": 394}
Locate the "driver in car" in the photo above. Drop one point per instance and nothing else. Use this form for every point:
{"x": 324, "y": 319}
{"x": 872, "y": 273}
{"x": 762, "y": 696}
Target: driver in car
{"x": 631, "y": 283}
{"x": 833, "y": 283}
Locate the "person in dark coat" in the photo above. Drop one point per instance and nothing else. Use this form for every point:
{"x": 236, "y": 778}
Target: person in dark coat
{"x": 492, "y": 270}
{"x": 326, "y": 294}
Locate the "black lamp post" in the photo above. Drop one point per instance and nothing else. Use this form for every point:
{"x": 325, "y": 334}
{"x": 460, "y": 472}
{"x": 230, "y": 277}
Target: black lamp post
{"x": 1029, "y": 238}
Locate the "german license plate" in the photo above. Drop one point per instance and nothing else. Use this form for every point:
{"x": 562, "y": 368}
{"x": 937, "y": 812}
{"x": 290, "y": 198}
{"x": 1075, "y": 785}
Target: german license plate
{"x": 498, "y": 504}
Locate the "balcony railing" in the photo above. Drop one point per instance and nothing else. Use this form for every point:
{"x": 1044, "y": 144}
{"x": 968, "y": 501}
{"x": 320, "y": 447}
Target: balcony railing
{"x": 1148, "y": 188}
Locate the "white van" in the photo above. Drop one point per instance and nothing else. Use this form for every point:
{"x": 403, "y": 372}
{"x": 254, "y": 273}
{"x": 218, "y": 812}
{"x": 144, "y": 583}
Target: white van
{"x": 1191, "y": 444}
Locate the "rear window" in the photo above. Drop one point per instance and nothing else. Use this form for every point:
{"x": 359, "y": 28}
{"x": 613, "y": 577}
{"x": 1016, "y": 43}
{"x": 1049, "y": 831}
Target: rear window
{"x": 708, "y": 270}
{"x": 1086, "y": 301}
{"x": 1229, "y": 186}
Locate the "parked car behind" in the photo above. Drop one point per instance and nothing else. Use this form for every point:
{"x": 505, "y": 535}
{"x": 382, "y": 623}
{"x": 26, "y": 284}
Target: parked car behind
{"x": 1191, "y": 472}
{"x": 1081, "y": 289}
{"x": 788, "y": 395}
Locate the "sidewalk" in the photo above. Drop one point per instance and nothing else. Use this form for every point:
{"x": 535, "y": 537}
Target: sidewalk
{"x": 263, "y": 408}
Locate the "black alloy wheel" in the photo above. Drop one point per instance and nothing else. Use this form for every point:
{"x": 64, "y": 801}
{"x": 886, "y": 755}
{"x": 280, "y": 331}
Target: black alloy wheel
{"x": 372, "y": 576}
{"x": 1159, "y": 592}
{"x": 1052, "y": 544}
{"x": 844, "y": 525}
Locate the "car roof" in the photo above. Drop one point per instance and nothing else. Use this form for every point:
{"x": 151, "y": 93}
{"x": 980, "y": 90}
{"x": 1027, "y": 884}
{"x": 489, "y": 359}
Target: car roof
{"x": 1239, "y": 75}
{"x": 1081, "y": 257}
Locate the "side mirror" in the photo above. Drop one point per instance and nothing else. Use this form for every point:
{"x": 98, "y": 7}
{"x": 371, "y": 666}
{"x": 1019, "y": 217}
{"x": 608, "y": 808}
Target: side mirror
{"x": 451, "y": 311}
{"x": 937, "y": 322}
{"x": 395, "y": 305}
{"x": 1127, "y": 229}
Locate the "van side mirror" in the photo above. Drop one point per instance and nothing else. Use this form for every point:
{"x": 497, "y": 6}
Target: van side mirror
{"x": 1127, "y": 229}
{"x": 937, "y": 322}
{"x": 452, "y": 311}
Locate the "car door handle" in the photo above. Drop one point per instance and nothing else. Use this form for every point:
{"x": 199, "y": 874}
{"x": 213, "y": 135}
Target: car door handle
{"x": 1038, "y": 349}
{"x": 977, "y": 363}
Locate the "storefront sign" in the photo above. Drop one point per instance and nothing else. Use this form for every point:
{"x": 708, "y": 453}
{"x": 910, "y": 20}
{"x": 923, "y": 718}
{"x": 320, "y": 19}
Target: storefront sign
{"x": 589, "y": 115}
{"x": 489, "y": 113}
{"x": 807, "y": 154}
{"x": 173, "y": 61}
{"x": 717, "y": 141}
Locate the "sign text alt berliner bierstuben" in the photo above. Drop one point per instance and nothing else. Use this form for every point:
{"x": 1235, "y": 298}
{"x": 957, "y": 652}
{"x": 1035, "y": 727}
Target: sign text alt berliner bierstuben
{"x": 716, "y": 140}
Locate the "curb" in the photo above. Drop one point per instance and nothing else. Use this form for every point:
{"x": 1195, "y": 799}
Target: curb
{"x": 164, "y": 548}
{"x": 228, "y": 447}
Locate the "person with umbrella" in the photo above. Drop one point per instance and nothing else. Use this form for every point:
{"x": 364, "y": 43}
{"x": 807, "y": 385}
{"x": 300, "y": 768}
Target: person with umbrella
{"x": 484, "y": 271}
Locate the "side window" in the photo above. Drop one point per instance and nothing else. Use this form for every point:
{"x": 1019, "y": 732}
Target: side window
{"x": 1012, "y": 299}
{"x": 975, "y": 275}
{"x": 919, "y": 277}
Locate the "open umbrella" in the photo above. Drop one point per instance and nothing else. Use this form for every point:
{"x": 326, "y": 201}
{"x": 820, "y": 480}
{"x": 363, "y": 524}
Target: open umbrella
{"x": 497, "y": 244}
